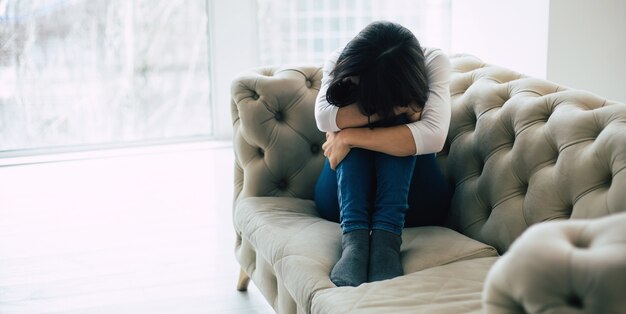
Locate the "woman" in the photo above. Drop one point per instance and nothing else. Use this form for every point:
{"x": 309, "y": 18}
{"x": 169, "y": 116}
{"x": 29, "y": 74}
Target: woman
{"x": 385, "y": 107}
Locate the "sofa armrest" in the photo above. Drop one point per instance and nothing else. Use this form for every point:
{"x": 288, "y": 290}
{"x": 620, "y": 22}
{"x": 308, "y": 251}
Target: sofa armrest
{"x": 278, "y": 148}
{"x": 574, "y": 266}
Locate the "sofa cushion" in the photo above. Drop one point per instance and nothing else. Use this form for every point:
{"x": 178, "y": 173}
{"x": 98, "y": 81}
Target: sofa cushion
{"x": 453, "y": 288}
{"x": 572, "y": 266}
{"x": 427, "y": 247}
{"x": 302, "y": 247}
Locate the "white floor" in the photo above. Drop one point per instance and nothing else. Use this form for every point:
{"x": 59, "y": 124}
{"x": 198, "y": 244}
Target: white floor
{"x": 147, "y": 233}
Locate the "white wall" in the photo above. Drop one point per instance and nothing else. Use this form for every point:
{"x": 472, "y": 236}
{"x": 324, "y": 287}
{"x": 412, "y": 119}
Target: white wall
{"x": 510, "y": 33}
{"x": 577, "y": 43}
{"x": 235, "y": 48}
{"x": 587, "y": 46}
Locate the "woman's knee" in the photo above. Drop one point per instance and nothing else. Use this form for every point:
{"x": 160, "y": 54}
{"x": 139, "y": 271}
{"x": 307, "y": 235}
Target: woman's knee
{"x": 357, "y": 158}
{"x": 394, "y": 172}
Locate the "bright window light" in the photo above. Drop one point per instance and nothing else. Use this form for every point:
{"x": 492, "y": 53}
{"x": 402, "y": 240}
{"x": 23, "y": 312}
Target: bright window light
{"x": 93, "y": 72}
{"x": 308, "y": 31}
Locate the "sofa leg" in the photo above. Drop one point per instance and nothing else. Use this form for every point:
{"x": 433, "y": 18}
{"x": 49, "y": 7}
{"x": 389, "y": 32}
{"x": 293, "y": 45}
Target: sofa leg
{"x": 244, "y": 280}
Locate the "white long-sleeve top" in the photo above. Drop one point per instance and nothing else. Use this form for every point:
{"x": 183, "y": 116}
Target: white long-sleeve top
{"x": 429, "y": 133}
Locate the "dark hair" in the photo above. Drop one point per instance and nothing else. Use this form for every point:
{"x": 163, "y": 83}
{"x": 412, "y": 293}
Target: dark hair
{"x": 392, "y": 72}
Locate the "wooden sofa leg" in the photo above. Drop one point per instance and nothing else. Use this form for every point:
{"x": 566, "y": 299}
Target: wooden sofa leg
{"x": 244, "y": 280}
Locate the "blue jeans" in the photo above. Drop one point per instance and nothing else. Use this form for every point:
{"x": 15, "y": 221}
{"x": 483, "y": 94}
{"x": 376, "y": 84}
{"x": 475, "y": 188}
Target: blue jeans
{"x": 363, "y": 174}
{"x": 428, "y": 195}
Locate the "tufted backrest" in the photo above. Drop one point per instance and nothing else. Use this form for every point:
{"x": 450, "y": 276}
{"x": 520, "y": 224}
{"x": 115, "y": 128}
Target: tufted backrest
{"x": 520, "y": 150}
{"x": 278, "y": 148}
{"x": 523, "y": 150}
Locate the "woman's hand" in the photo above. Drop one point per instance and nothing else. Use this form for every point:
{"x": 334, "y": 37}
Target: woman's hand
{"x": 399, "y": 110}
{"x": 335, "y": 148}
{"x": 414, "y": 115}
{"x": 409, "y": 111}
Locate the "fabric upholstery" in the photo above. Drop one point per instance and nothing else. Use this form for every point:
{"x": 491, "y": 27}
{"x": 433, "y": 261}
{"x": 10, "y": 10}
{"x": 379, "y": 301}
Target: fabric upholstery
{"x": 523, "y": 150}
{"x": 278, "y": 147}
{"x": 449, "y": 289}
{"x": 302, "y": 248}
{"x": 520, "y": 151}
{"x": 575, "y": 266}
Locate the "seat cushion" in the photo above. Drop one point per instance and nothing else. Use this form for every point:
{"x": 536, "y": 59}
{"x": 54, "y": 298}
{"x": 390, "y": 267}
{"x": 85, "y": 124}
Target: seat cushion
{"x": 453, "y": 288}
{"x": 302, "y": 247}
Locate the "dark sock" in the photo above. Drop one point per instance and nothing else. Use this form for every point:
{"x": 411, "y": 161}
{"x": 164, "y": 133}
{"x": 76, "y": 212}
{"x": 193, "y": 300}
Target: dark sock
{"x": 351, "y": 269}
{"x": 384, "y": 256}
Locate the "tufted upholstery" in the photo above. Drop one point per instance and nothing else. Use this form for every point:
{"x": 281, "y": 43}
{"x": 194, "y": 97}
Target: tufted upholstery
{"x": 523, "y": 150}
{"x": 520, "y": 151}
{"x": 273, "y": 122}
{"x": 277, "y": 153}
{"x": 572, "y": 266}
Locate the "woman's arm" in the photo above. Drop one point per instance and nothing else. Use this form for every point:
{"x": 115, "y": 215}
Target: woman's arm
{"x": 430, "y": 132}
{"x": 330, "y": 118}
{"x": 425, "y": 135}
{"x": 351, "y": 117}
{"x": 396, "y": 140}
{"x": 325, "y": 113}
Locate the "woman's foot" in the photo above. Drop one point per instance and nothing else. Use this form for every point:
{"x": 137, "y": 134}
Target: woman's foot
{"x": 351, "y": 269}
{"x": 384, "y": 256}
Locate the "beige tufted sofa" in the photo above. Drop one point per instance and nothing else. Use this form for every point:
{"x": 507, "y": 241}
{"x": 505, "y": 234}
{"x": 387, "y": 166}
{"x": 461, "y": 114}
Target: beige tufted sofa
{"x": 520, "y": 151}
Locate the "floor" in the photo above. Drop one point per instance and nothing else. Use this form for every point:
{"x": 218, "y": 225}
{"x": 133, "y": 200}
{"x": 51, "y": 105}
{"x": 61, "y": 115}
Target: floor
{"x": 145, "y": 233}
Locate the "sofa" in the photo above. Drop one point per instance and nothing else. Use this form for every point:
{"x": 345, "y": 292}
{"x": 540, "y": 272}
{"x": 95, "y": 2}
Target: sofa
{"x": 537, "y": 222}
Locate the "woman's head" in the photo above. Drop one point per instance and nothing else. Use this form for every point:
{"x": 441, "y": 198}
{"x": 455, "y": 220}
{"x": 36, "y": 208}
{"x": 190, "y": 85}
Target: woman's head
{"x": 389, "y": 64}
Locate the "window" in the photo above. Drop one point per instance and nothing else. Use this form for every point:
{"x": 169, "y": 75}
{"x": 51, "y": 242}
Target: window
{"x": 308, "y": 31}
{"x": 93, "y": 72}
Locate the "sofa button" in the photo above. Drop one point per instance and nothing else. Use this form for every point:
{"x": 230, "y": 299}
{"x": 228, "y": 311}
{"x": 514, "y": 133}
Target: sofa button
{"x": 309, "y": 83}
{"x": 261, "y": 152}
{"x": 315, "y": 148}
{"x": 282, "y": 184}
{"x": 575, "y": 302}
{"x": 255, "y": 96}
{"x": 278, "y": 116}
